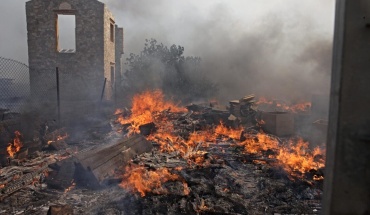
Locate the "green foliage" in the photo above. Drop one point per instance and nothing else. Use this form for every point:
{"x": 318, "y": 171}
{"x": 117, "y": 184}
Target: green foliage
{"x": 160, "y": 67}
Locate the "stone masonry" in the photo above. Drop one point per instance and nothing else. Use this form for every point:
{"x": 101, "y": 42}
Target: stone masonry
{"x": 99, "y": 46}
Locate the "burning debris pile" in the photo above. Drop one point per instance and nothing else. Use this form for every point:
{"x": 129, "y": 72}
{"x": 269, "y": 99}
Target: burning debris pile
{"x": 161, "y": 158}
{"x": 203, "y": 159}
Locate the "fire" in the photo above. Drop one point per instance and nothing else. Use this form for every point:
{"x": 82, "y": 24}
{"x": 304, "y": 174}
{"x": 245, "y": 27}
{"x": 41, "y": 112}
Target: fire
{"x": 62, "y": 137}
{"x": 145, "y": 108}
{"x": 149, "y": 107}
{"x": 139, "y": 179}
{"x": 318, "y": 178}
{"x": 58, "y": 138}
{"x": 302, "y": 106}
{"x": 297, "y": 157}
{"x": 294, "y": 156}
{"x": 263, "y": 100}
{"x": 16, "y": 145}
{"x": 227, "y": 132}
{"x": 261, "y": 142}
{"x": 73, "y": 185}
{"x": 118, "y": 111}
{"x": 170, "y": 142}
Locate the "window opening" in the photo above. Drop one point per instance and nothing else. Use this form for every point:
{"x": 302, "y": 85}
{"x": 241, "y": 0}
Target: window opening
{"x": 112, "y": 32}
{"x": 66, "y": 33}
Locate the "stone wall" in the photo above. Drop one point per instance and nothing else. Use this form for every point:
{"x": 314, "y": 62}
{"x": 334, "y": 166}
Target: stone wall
{"x": 119, "y": 53}
{"x": 81, "y": 72}
{"x": 109, "y": 52}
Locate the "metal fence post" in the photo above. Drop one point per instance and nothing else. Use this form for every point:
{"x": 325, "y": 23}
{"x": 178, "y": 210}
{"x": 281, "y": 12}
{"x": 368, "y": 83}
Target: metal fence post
{"x": 102, "y": 92}
{"x": 58, "y": 96}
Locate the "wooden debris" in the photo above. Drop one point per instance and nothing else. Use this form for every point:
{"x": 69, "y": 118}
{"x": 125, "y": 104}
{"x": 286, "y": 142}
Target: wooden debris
{"x": 102, "y": 161}
{"x": 64, "y": 176}
{"x": 147, "y": 129}
{"x": 58, "y": 145}
{"x": 60, "y": 210}
{"x": 22, "y": 154}
{"x": 53, "y": 136}
{"x": 23, "y": 181}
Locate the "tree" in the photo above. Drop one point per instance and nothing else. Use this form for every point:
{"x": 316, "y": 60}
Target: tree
{"x": 160, "y": 67}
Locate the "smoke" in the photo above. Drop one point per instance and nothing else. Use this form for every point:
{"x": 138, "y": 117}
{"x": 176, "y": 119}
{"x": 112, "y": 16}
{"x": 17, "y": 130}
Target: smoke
{"x": 279, "y": 48}
{"x": 279, "y": 51}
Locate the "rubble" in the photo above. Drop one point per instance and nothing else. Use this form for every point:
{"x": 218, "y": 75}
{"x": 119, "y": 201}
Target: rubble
{"x": 182, "y": 162}
{"x": 60, "y": 210}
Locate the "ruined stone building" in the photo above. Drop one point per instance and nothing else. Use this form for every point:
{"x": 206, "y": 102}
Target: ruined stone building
{"x": 82, "y": 70}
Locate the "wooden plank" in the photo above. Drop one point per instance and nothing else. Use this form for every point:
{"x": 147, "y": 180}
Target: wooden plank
{"x": 102, "y": 161}
{"x": 93, "y": 160}
{"x": 83, "y": 155}
{"x": 123, "y": 157}
{"x": 106, "y": 155}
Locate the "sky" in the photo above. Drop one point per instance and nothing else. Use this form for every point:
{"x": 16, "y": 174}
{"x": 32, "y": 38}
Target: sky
{"x": 276, "y": 47}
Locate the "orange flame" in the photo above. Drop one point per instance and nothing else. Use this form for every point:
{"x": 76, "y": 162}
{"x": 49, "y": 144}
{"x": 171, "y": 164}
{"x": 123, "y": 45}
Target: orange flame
{"x": 300, "y": 107}
{"x": 118, "y": 111}
{"x": 303, "y": 106}
{"x": 296, "y": 157}
{"x": 318, "y": 178}
{"x": 16, "y": 145}
{"x": 227, "y": 132}
{"x": 263, "y": 100}
{"x": 260, "y": 142}
{"x": 170, "y": 142}
{"x": 139, "y": 179}
{"x": 145, "y": 107}
{"x": 58, "y": 138}
{"x": 73, "y": 185}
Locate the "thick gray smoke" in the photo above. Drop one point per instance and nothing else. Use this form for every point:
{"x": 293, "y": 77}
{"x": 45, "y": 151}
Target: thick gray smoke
{"x": 277, "y": 48}
{"x": 283, "y": 52}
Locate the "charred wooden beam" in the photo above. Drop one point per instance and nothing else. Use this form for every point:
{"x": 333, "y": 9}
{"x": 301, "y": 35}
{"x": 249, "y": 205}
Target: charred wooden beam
{"x": 64, "y": 176}
{"x": 102, "y": 161}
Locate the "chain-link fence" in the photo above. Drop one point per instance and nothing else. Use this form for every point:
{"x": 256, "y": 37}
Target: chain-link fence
{"x": 18, "y": 88}
{"x": 14, "y": 85}
{"x": 23, "y": 89}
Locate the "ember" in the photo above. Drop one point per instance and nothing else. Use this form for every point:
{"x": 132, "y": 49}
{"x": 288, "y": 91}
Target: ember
{"x": 58, "y": 138}
{"x": 73, "y": 185}
{"x": 16, "y": 145}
